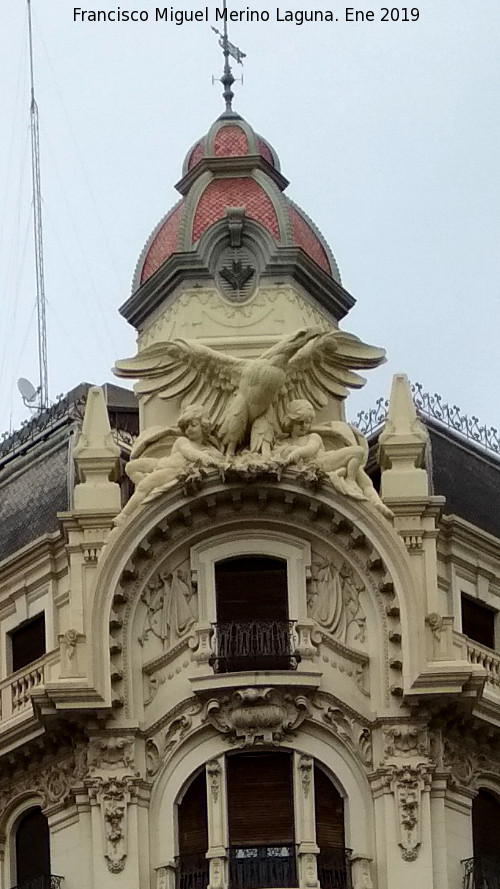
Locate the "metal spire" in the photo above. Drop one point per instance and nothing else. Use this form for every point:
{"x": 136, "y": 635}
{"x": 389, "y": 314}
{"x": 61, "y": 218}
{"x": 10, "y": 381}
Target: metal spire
{"x": 43, "y": 389}
{"x": 228, "y": 49}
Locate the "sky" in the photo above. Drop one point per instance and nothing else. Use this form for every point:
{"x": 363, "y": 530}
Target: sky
{"x": 387, "y": 131}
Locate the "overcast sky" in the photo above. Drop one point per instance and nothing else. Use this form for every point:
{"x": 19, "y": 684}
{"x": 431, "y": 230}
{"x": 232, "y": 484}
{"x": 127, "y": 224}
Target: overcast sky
{"x": 387, "y": 131}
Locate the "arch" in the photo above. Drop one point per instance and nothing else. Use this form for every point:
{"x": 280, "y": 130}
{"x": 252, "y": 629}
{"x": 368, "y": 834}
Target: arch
{"x": 295, "y": 511}
{"x": 338, "y": 763}
{"x": 17, "y": 808}
{"x": 485, "y": 815}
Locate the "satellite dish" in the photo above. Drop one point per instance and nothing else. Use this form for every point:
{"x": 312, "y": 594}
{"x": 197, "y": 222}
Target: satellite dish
{"x": 27, "y": 390}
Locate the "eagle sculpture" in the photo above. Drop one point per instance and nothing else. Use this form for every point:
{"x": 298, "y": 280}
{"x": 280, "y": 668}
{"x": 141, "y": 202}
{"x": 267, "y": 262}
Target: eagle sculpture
{"x": 246, "y": 398}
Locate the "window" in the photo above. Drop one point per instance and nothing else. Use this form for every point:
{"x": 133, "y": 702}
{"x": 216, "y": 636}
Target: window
{"x": 192, "y": 865}
{"x": 33, "y": 850}
{"x": 253, "y": 631}
{"x": 27, "y": 642}
{"x": 478, "y": 621}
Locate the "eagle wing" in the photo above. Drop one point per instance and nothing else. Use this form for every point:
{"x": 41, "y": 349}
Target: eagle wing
{"x": 185, "y": 368}
{"x": 325, "y": 366}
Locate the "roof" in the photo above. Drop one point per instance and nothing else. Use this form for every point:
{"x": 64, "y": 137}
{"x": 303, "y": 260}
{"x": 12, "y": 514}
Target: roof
{"x": 232, "y": 167}
{"x": 36, "y": 473}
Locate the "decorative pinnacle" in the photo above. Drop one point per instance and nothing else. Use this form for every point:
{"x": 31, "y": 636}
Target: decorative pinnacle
{"x": 228, "y": 49}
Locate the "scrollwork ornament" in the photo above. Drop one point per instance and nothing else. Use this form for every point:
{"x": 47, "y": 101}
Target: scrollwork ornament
{"x": 113, "y": 797}
{"x": 407, "y": 784}
{"x": 305, "y": 766}
{"x": 214, "y": 772}
{"x": 252, "y": 716}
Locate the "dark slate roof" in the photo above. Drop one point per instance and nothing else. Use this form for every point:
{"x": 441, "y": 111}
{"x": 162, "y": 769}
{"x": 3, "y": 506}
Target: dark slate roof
{"x": 467, "y": 475}
{"x": 35, "y": 466}
{"x": 33, "y": 495}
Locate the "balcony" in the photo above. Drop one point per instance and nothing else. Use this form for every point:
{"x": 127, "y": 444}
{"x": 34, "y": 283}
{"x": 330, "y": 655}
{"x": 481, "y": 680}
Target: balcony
{"x": 254, "y": 867}
{"x": 486, "y": 658}
{"x": 45, "y": 881}
{"x": 334, "y": 871}
{"x": 481, "y": 873}
{"x": 253, "y": 645}
{"x": 191, "y": 871}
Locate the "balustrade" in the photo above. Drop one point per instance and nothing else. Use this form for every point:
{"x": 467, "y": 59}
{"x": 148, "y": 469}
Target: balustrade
{"x": 486, "y": 658}
{"x": 254, "y": 645}
{"x": 481, "y": 873}
{"x": 253, "y": 867}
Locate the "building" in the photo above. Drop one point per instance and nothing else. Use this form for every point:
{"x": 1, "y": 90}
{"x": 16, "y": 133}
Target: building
{"x": 255, "y": 671}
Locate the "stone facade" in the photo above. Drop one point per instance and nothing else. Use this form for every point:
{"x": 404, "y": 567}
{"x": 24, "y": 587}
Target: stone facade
{"x": 375, "y": 684}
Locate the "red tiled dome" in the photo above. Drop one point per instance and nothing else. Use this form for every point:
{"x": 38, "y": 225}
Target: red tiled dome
{"x": 252, "y": 186}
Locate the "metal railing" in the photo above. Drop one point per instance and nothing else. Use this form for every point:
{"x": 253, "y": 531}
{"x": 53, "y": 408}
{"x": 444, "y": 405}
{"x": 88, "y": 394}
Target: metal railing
{"x": 334, "y": 869}
{"x": 433, "y": 406}
{"x": 191, "y": 871}
{"x": 44, "y": 881}
{"x": 481, "y": 873}
{"x": 254, "y": 867}
{"x": 253, "y": 645}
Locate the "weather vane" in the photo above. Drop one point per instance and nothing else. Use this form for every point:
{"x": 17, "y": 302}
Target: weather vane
{"x": 228, "y": 49}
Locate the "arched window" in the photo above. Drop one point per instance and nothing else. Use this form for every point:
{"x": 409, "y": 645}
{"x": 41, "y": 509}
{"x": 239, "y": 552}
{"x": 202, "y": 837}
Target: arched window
{"x": 253, "y": 631}
{"x": 329, "y": 806}
{"x": 192, "y": 865}
{"x": 260, "y": 820}
{"x": 485, "y": 870}
{"x": 33, "y": 850}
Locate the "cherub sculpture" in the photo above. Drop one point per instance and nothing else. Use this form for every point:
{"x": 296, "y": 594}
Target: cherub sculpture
{"x": 152, "y": 475}
{"x": 343, "y": 463}
{"x": 245, "y": 398}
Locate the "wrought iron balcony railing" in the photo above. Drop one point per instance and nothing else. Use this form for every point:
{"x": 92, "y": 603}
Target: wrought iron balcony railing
{"x": 192, "y": 871}
{"x": 253, "y": 645}
{"x": 44, "y": 881}
{"x": 255, "y": 867}
{"x": 481, "y": 873}
{"x": 334, "y": 869}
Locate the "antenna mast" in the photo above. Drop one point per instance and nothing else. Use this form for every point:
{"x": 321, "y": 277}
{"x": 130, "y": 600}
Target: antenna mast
{"x": 37, "y": 229}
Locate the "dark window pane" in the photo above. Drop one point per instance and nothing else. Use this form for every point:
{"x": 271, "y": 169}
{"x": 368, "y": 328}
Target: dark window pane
{"x": 32, "y": 846}
{"x": 486, "y": 826}
{"x": 28, "y": 642}
{"x": 478, "y": 622}
{"x": 251, "y": 588}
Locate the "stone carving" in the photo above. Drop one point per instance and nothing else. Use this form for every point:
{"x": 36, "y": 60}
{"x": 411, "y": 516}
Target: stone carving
{"x": 69, "y": 639}
{"x": 406, "y": 741}
{"x": 188, "y": 446}
{"x": 113, "y": 797}
{"x": 176, "y": 727}
{"x": 435, "y": 622}
{"x": 246, "y": 397}
{"x": 53, "y": 782}
{"x": 257, "y": 715}
{"x": 213, "y": 769}
{"x": 336, "y": 449}
{"x": 355, "y": 736}
{"x": 244, "y": 408}
{"x": 305, "y": 766}
{"x": 333, "y": 600}
{"x": 111, "y": 753}
{"x": 407, "y": 783}
{"x": 361, "y": 874}
{"x": 171, "y": 606}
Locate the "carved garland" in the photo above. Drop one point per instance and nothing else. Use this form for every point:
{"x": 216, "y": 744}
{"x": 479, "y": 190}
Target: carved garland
{"x": 260, "y": 501}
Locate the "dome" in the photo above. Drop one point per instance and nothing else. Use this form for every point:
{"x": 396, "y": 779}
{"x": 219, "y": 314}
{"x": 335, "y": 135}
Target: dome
{"x": 232, "y": 167}
{"x": 230, "y": 137}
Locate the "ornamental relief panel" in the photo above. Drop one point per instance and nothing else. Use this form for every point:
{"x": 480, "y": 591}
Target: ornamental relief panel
{"x": 334, "y": 597}
{"x": 349, "y": 590}
{"x": 270, "y": 309}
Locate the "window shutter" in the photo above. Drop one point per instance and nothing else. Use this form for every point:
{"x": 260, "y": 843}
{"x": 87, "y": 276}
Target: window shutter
{"x": 329, "y": 812}
{"x": 192, "y": 818}
{"x": 260, "y": 799}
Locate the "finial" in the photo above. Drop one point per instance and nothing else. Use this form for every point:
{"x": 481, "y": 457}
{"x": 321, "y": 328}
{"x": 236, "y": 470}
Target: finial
{"x": 228, "y": 49}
